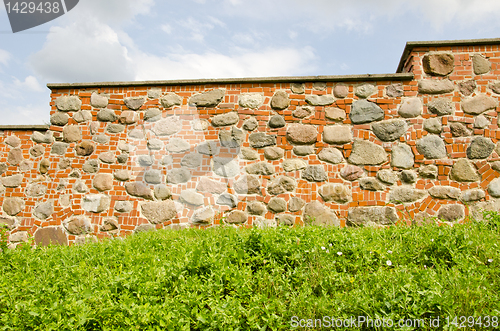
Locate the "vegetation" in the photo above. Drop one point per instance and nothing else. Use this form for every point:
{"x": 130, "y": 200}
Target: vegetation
{"x": 257, "y": 279}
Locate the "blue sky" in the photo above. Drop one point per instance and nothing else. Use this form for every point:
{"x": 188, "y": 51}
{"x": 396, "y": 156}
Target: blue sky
{"x": 124, "y": 40}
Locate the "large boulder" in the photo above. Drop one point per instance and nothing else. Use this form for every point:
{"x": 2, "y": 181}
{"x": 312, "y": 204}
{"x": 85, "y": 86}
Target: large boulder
{"x": 207, "y": 99}
{"x": 438, "y": 64}
{"x": 159, "y": 212}
{"x": 364, "y": 111}
{"x": 302, "y": 134}
{"x": 367, "y": 153}
{"x": 372, "y": 216}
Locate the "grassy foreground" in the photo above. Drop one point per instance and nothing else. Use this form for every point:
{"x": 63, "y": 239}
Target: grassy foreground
{"x": 259, "y": 279}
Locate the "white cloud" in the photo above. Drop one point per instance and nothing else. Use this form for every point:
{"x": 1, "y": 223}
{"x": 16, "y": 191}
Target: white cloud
{"x": 4, "y": 57}
{"x": 30, "y": 83}
{"x": 167, "y": 28}
{"x": 199, "y": 29}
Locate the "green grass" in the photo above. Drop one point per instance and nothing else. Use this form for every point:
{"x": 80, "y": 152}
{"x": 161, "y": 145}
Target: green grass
{"x": 254, "y": 279}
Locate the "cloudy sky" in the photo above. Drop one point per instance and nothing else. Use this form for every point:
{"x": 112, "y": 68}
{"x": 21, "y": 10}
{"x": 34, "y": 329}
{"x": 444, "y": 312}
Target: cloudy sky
{"x": 124, "y": 40}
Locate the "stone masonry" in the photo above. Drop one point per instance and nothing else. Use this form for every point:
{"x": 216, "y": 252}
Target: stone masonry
{"x": 349, "y": 150}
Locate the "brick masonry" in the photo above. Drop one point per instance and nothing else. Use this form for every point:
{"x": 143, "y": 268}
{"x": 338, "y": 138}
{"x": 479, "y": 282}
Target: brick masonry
{"x": 331, "y": 150}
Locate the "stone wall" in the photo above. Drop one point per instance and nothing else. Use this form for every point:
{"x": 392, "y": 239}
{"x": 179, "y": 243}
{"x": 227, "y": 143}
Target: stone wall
{"x": 334, "y": 150}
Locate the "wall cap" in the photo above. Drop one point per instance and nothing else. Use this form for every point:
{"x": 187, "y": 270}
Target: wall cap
{"x": 25, "y": 127}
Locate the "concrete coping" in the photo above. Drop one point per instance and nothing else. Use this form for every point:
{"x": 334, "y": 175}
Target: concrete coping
{"x": 25, "y": 127}
{"x": 437, "y": 43}
{"x": 295, "y": 79}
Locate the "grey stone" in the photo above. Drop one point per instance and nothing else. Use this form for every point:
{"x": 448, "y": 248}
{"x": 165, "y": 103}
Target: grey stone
{"x": 85, "y": 148}
{"x": 320, "y": 100}
{"x": 248, "y": 153}
{"x": 316, "y": 213}
{"x": 96, "y": 203}
{"x": 68, "y": 103}
{"x": 200, "y": 124}
{"x": 410, "y": 107}
{"x": 21, "y": 236}
{"x": 36, "y": 190}
{"x": 103, "y": 182}
{"x": 351, "y": 172}
{"x": 365, "y": 152}
{"x": 106, "y": 115}
{"x": 481, "y": 122}
{"x": 80, "y": 187}
{"x": 227, "y": 199}
{"x": 274, "y": 153}
{"x": 98, "y": 100}
{"x": 387, "y": 176}
{"x": 495, "y": 87}
{"x": 472, "y": 195}
{"x": 109, "y": 224}
{"x": 162, "y": 192}
{"x": 438, "y": 64}
{"x": 207, "y": 99}
{"x": 50, "y": 236}
{"x": 441, "y": 107}
{"x": 123, "y": 206}
{"x": 208, "y": 148}
{"x": 170, "y": 99}
{"x": 463, "y": 171}
{"x": 256, "y": 208}
{"x": 178, "y": 176}
{"x": 402, "y": 156}
{"x": 122, "y": 158}
{"x": 276, "y": 121}
{"x": 433, "y": 86}
{"x": 431, "y": 147}
{"x": 284, "y": 219}
{"x": 433, "y": 125}
{"x": 459, "y": 130}
{"x": 335, "y": 114}
{"x": 191, "y": 160}
{"x": 146, "y": 227}
{"x": 191, "y": 197}
{"x": 371, "y": 184}
{"x": 337, "y": 134}
{"x": 281, "y": 185}
{"x": 251, "y": 100}
{"x": 494, "y": 188}
{"x": 314, "y": 173}
{"x": 250, "y": 124}
{"x": 389, "y": 130}
{"x": 139, "y": 189}
{"x": 294, "y": 165}
{"x": 479, "y": 104}
{"x": 467, "y": 87}
{"x": 302, "y": 134}
{"x": 115, "y": 128}
{"x": 394, "y": 90}
{"x": 9, "y": 222}
{"x": 260, "y": 168}
{"x": 108, "y": 157}
{"x": 136, "y": 134}
{"x": 480, "y": 148}
{"x": 365, "y": 90}
{"x": 226, "y": 166}
{"x": 159, "y": 212}
{"x": 340, "y": 91}
{"x": 65, "y": 163}
{"x": 101, "y": 139}
{"x": 231, "y": 138}
{"x": 152, "y": 115}
{"x": 319, "y": 86}
{"x": 3, "y": 168}
{"x": 211, "y": 186}
{"x": 280, "y": 100}
{"x": 248, "y": 184}
{"x": 12, "y": 181}
{"x": 335, "y": 192}
{"x": 40, "y": 138}
{"x": 13, "y": 206}
{"x": 276, "y": 205}
{"x": 372, "y": 215}
{"x": 364, "y": 111}
{"x": 408, "y": 176}
{"x": 178, "y": 145}
{"x": 203, "y": 216}
{"x": 71, "y": 133}
{"x": 59, "y": 118}
{"x": 480, "y": 64}
{"x": 331, "y": 155}
{"x": 303, "y": 150}
{"x": 37, "y": 150}
{"x": 295, "y": 204}
{"x": 451, "y": 213}
{"x": 444, "y": 192}
{"x": 82, "y": 116}
{"x": 261, "y": 140}
{"x": 406, "y": 194}
{"x": 298, "y": 88}
{"x": 236, "y": 217}
{"x": 225, "y": 119}
{"x": 134, "y": 103}
{"x": 15, "y": 156}
{"x": 303, "y": 112}
{"x": 152, "y": 176}
{"x": 155, "y": 144}
{"x": 428, "y": 171}
{"x": 128, "y": 117}
{"x": 167, "y": 126}
{"x": 44, "y": 210}
{"x": 91, "y": 166}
